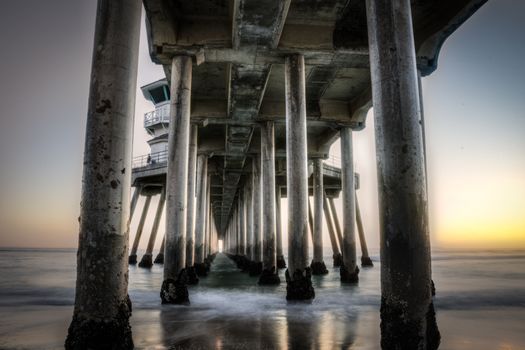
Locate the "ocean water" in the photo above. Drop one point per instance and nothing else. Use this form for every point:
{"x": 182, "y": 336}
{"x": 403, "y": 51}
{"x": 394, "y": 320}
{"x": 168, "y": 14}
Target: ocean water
{"x": 480, "y": 304}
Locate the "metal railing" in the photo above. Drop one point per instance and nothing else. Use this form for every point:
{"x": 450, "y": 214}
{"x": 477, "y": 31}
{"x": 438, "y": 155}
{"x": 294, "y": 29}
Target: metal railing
{"x": 160, "y": 158}
{"x": 150, "y": 160}
{"x": 334, "y": 161}
{"x": 160, "y": 115}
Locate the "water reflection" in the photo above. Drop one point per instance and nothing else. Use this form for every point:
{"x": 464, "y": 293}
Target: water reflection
{"x": 283, "y": 330}
{"x": 480, "y": 302}
{"x": 252, "y": 317}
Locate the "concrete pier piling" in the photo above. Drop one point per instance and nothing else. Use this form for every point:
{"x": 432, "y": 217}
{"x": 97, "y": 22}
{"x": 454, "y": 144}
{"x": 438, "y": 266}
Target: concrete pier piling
{"x": 133, "y": 253}
{"x": 298, "y": 275}
{"x": 249, "y": 221}
{"x": 134, "y": 201}
{"x": 102, "y": 305}
{"x": 207, "y": 231}
{"x": 318, "y": 266}
{"x": 269, "y": 273}
{"x": 174, "y": 289}
{"x": 190, "y": 214}
{"x": 338, "y": 258}
{"x": 159, "y": 259}
{"x": 349, "y": 271}
{"x": 281, "y": 263}
{"x": 256, "y": 265}
{"x": 337, "y": 226}
{"x": 310, "y": 221}
{"x": 365, "y": 258}
{"x": 241, "y": 224}
{"x": 200, "y": 222}
{"x": 244, "y": 262}
{"x": 407, "y": 312}
{"x": 147, "y": 258}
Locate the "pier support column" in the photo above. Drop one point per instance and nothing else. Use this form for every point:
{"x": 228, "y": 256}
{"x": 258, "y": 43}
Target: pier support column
{"x": 244, "y": 263}
{"x": 190, "y": 214}
{"x": 249, "y": 220}
{"x": 256, "y": 264}
{"x": 102, "y": 306}
{"x": 298, "y": 275}
{"x": 318, "y": 266}
{"x": 407, "y": 312}
{"x": 337, "y": 226}
{"x": 208, "y": 224}
{"x": 147, "y": 258}
{"x": 365, "y": 258}
{"x": 134, "y": 200}
{"x": 310, "y": 220}
{"x": 281, "y": 263}
{"x": 242, "y": 225}
{"x": 159, "y": 259}
{"x": 174, "y": 289}
{"x": 200, "y": 222}
{"x": 269, "y": 274}
{"x": 234, "y": 222}
{"x": 349, "y": 271}
{"x": 133, "y": 253}
{"x": 338, "y": 258}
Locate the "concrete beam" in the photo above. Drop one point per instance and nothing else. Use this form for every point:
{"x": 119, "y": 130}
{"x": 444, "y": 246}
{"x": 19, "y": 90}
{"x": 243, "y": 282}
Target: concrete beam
{"x": 255, "y": 24}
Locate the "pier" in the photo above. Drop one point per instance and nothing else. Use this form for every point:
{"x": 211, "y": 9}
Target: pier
{"x": 255, "y": 94}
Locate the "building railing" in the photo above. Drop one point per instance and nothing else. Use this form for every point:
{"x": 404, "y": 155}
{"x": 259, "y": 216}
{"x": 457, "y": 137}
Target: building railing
{"x": 334, "y": 161}
{"x": 161, "y": 114}
{"x": 161, "y": 158}
{"x": 150, "y": 160}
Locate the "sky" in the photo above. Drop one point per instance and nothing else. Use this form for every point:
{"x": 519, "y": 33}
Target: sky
{"x": 474, "y": 112}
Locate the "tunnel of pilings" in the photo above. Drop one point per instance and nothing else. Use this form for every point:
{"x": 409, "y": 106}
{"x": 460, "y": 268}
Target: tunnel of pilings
{"x": 255, "y": 95}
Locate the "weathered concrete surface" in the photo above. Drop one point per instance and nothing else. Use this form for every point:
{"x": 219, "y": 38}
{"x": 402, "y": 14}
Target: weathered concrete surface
{"x": 256, "y": 265}
{"x": 133, "y": 253}
{"x": 333, "y": 240}
{"x": 257, "y": 210}
{"x": 159, "y": 259}
{"x": 407, "y": 313}
{"x": 242, "y": 224}
{"x": 208, "y": 219}
{"x": 318, "y": 266}
{"x": 310, "y": 220}
{"x": 134, "y": 200}
{"x": 190, "y": 213}
{"x": 337, "y": 226}
{"x": 349, "y": 270}
{"x": 281, "y": 263}
{"x": 200, "y": 220}
{"x": 269, "y": 274}
{"x": 241, "y": 48}
{"x": 298, "y": 277}
{"x": 365, "y": 258}
{"x": 147, "y": 259}
{"x": 249, "y": 219}
{"x": 102, "y": 306}
{"x": 254, "y": 24}
{"x": 173, "y": 290}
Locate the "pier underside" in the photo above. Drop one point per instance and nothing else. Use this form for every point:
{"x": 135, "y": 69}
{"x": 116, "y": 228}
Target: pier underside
{"x": 239, "y": 48}
{"x": 258, "y": 91}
